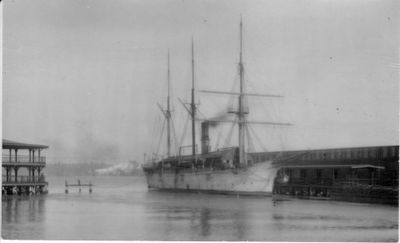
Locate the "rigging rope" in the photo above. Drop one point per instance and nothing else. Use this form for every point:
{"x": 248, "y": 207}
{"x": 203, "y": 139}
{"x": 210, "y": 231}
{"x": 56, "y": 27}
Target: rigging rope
{"x": 200, "y": 113}
{"x": 156, "y": 120}
{"x": 174, "y": 131}
{"x": 232, "y": 100}
{"x": 258, "y": 139}
{"x": 174, "y": 136}
{"x": 159, "y": 142}
{"x": 228, "y": 138}
{"x": 250, "y": 140}
{"x": 184, "y": 131}
{"x": 218, "y": 137}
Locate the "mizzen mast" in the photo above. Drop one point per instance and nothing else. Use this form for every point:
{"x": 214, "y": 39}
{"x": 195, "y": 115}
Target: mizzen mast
{"x": 168, "y": 112}
{"x": 242, "y": 111}
{"x": 193, "y": 108}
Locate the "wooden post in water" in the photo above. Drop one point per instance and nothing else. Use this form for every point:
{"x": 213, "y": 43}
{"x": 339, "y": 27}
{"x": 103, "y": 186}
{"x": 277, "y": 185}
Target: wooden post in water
{"x": 66, "y": 187}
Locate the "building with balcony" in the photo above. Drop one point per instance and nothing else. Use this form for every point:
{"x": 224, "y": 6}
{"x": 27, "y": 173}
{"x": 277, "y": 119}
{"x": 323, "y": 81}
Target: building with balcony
{"x": 22, "y": 168}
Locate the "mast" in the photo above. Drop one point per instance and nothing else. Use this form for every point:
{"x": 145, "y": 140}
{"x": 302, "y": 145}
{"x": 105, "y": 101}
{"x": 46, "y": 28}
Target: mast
{"x": 168, "y": 113}
{"x": 241, "y": 113}
{"x": 193, "y": 108}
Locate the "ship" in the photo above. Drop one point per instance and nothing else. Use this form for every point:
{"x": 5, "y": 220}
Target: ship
{"x": 230, "y": 170}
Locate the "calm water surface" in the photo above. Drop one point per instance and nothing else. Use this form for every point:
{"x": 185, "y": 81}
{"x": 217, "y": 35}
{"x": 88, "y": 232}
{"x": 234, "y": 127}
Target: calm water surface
{"x": 121, "y": 208}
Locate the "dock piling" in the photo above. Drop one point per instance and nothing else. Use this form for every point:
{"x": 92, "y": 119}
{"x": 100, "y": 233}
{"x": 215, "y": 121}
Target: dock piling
{"x": 90, "y": 187}
{"x": 66, "y": 187}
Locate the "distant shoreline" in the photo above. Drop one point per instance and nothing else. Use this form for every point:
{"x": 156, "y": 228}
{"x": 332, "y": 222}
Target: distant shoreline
{"x": 84, "y": 169}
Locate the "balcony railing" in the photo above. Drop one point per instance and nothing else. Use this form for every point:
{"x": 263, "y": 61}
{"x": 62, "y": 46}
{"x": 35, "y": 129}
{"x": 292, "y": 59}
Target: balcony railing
{"x": 312, "y": 181}
{"x": 22, "y": 179}
{"x": 23, "y": 159}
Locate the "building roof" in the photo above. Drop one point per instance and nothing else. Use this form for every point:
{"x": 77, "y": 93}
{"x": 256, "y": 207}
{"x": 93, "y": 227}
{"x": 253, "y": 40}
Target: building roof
{"x": 8, "y": 144}
{"x": 333, "y": 149}
{"x": 329, "y": 166}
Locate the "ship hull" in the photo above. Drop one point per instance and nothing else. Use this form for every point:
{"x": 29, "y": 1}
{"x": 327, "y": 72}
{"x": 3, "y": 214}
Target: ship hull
{"x": 257, "y": 180}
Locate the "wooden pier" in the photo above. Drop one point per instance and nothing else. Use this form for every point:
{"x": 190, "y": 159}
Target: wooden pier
{"x": 79, "y": 185}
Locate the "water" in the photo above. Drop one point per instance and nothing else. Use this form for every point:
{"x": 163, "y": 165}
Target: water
{"x": 121, "y": 208}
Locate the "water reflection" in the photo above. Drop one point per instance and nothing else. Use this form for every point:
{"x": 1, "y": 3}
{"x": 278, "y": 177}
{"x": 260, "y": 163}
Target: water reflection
{"x": 132, "y": 214}
{"x": 240, "y": 225}
{"x": 197, "y": 220}
{"x": 205, "y": 222}
{"x": 201, "y": 222}
{"x": 17, "y": 211}
{"x": 10, "y": 214}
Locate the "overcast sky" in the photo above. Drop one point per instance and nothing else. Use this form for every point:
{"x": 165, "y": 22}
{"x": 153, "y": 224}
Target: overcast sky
{"x": 84, "y": 77}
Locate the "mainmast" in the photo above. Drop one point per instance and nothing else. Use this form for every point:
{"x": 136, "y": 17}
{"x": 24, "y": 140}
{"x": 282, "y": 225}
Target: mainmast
{"x": 168, "y": 113}
{"x": 193, "y": 108}
{"x": 241, "y": 113}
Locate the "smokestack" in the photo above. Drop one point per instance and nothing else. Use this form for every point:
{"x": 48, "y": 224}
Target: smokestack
{"x": 205, "y": 139}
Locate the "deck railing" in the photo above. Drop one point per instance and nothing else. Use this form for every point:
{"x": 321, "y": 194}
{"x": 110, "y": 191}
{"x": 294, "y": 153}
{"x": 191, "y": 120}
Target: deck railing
{"x": 23, "y": 179}
{"x": 355, "y": 182}
{"x": 23, "y": 159}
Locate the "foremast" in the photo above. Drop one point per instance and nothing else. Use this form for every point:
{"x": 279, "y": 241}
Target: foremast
{"x": 241, "y": 113}
{"x": 167, "y": 111}
{"x": 191, "y": 108}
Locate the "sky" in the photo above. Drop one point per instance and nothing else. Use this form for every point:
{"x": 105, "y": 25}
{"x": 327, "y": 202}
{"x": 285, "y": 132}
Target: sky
{"x": 85, "y": 77}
